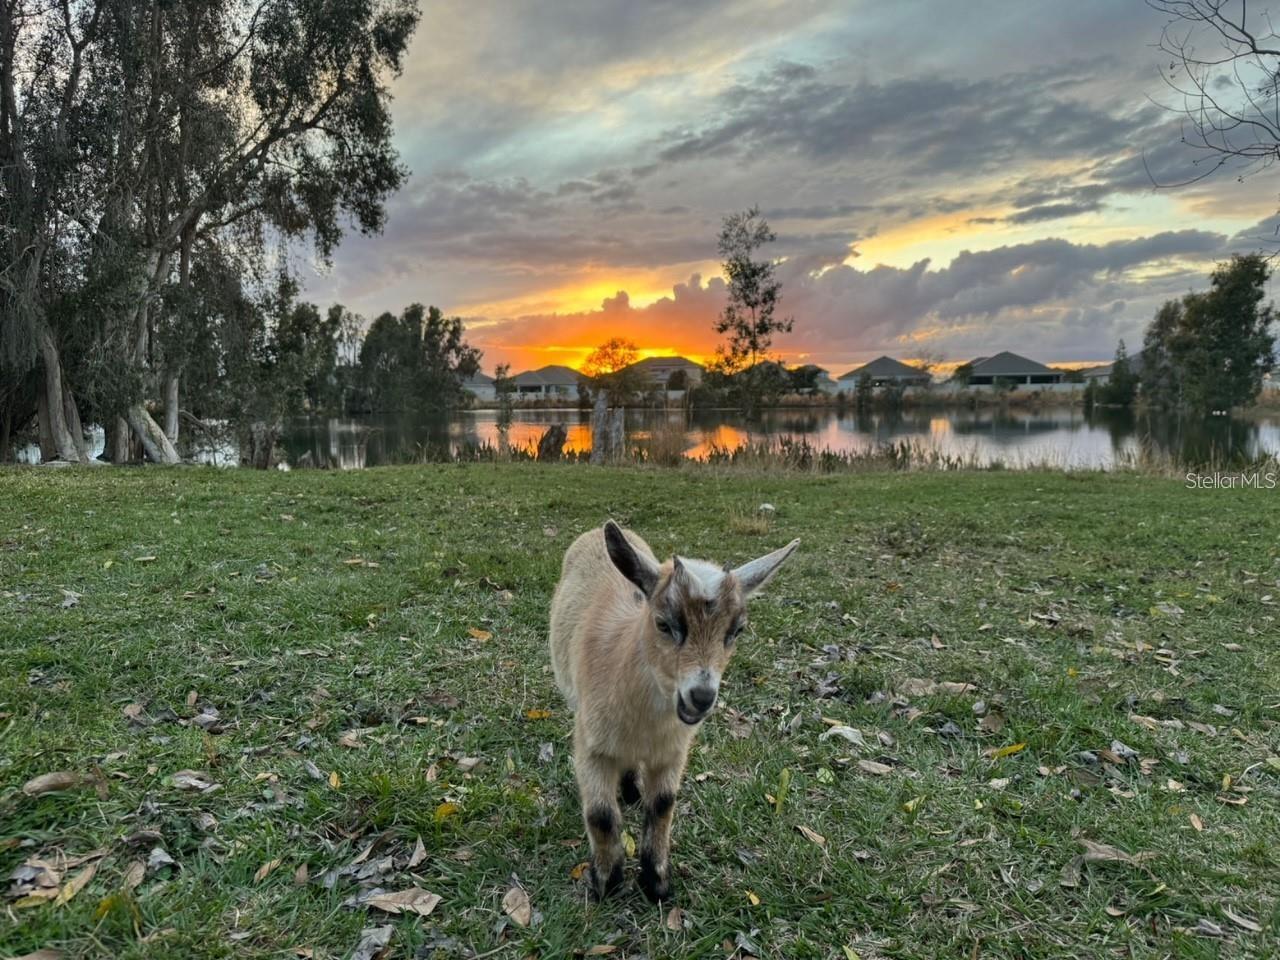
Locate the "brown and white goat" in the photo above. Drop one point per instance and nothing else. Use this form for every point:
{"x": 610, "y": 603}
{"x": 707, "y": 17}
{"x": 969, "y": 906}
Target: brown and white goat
{"x": 638, "y": 649}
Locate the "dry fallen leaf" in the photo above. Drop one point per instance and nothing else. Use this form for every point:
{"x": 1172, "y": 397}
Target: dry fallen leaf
{"x": 478, "y": 634}
{"x": 372, "y": 942}
{"x": 629, "y": 843}
{"x": 874, "y": 767}
{"x": 414, "y": 900}
{"x": 46, "y": 953}
{"x": 812, "y": 835}
{"x": 1197, "y": 823}
{"x": 335, "y": 781}
{"x": 193, "y": 780}
{"x": 537, "y": 714}
{"x": 600, "y": 950}
{"x": 577, "y": 872}
{"x": 301, "y": 875}
{"x": 753, "y": 898}
{"x": 1243, "y": 922}
{"x": 516, "y": 906}
{"x": 265, "y": 870}
{"x": 48, "y": 782}
{"x": 1095, "y": 852}
{"x": 419, "y": 854}
{"x": 133, "y": 874}
{"x": 851, "y": 734}
{"x": 445, "y": 811}
{"x": 675, "y": 919}
{"x": 76, "y": 884}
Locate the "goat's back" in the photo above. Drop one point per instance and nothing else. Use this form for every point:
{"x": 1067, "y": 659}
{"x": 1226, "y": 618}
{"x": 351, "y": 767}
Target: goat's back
{"x": 590, "y": 586}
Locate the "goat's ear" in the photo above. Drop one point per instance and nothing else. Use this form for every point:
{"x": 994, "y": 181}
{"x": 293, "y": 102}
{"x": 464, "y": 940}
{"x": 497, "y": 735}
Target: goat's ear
{"x": 756, "y": 573}
{"x": 637, "y": 568}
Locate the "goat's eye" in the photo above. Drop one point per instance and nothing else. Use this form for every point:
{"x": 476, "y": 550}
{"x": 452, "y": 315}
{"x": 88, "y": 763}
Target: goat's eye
{"x": 664, "y": 627}
{"x": 732, "y": 635}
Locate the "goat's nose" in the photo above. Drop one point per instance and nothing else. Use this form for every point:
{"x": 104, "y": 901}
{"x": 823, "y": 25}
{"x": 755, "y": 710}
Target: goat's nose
{"x": 702, "y": 698}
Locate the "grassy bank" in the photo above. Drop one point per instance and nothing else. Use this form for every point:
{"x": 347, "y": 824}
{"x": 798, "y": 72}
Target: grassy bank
{"x": 357, "y": 661}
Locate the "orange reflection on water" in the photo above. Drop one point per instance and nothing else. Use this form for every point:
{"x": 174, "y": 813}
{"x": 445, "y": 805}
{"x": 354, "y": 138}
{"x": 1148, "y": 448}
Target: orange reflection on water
{"x": 723, "y": 437}
{"x": 524, "y": 436}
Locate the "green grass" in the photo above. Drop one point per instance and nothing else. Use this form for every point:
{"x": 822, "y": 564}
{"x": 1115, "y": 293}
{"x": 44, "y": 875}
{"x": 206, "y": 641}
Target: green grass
{"x": 1057, "y": 596}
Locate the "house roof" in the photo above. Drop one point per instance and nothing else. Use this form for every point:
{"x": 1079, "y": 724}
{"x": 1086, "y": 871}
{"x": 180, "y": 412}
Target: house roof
{"x": 682, "y": 362}
{"x": 478, "y": 377}
{"x": 552, "y": 375}
{"x": 885, "y": 368}
{"x": 1135, "y": 365}
{"x": 1008, "y": 364}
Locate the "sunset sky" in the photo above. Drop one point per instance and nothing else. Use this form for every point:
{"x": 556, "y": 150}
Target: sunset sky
{"x": 946, "y": 179}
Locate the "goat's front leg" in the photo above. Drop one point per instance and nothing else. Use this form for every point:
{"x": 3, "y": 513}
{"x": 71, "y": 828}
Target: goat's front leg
{"x": 660, "y": 788}
{"x": 598, "y": 778}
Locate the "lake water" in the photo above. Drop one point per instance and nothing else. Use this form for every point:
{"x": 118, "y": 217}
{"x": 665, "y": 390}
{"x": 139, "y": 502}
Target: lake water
{"x": 1063, "y": 437}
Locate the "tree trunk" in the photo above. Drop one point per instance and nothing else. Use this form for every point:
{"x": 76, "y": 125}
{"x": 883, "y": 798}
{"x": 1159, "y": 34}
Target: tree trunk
{"x": 171, "y": 408}
{"x": 120, "y": 441}
{"x": 47, "y": 449}
{"x": 62, "y": 441}
{"x": 74, "y": 426}
{"x": 600, "y": 429}
{"x": 154, "y": 440}
{"x": 617, "y": 434}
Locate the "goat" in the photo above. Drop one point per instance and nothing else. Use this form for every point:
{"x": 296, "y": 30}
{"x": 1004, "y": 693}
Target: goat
{"x": 638, "y": 648}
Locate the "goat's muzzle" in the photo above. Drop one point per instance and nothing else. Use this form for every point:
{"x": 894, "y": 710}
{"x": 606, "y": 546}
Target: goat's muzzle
{"x": 695, "y": 709}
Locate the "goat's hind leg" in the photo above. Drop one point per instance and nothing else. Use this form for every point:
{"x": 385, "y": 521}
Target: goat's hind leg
{"x": 598, "y": 779}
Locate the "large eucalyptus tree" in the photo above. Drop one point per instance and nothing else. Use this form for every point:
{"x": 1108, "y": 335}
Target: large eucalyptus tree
{"x": 138, "y": 137}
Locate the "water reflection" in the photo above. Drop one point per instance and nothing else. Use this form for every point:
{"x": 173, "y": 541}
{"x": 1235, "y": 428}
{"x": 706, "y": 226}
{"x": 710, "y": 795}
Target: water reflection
{"x": 1062, "y": 437}
{"x": 1065, "y": 437}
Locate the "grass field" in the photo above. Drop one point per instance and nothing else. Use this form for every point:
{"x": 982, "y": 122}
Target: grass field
{"x": 338, "y": 666}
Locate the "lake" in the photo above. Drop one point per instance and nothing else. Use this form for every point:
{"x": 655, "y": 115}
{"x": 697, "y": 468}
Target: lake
{"x": 1062, "y": 437}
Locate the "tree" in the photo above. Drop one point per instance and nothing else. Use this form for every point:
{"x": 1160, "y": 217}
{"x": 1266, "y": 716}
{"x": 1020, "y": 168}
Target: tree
{"x": 962, "y": 374}
{"x": 748, "y": 317}
{"x": 864, "y": 393}
{"x": 416, "y": 361}
{"x": 138, "y": 139}
{"x": 1122, "y": 385}
{"x": 1225, "y": 69}
{"x": 610, "y": 368}
{"x": 1161, "y": 385}
{"x": 804, "y": 379}
{"x": 504, "y": 389}
{"x": 1223, "y": 345}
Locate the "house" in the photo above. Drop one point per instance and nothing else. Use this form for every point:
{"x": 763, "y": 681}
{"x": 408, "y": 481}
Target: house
{"x": 552, "y": 380}
{"x": 658, "y": 371}
{"x": 886, "y": 372}
{"x": 480, "y": 386}
{"x": 1007, "y": 367}
{"x": 1102, "y": 375}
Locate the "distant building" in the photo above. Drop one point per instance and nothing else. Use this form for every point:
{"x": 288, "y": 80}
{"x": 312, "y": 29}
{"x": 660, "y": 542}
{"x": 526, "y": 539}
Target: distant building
{"x": 885, "y": 372}
{"x": 659, "y": 370}
{"x": 552, "y": 380}
{"x": 480, "y": 386}
{"x": 1008, "y": 367}
{"x": 1102, "y": 375}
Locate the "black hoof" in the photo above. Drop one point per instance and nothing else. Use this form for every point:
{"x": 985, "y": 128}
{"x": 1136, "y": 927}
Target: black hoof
{"x": 611, "y": 883}
{"x": 630, "y": 788}
{"x": 652, "y": 884}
